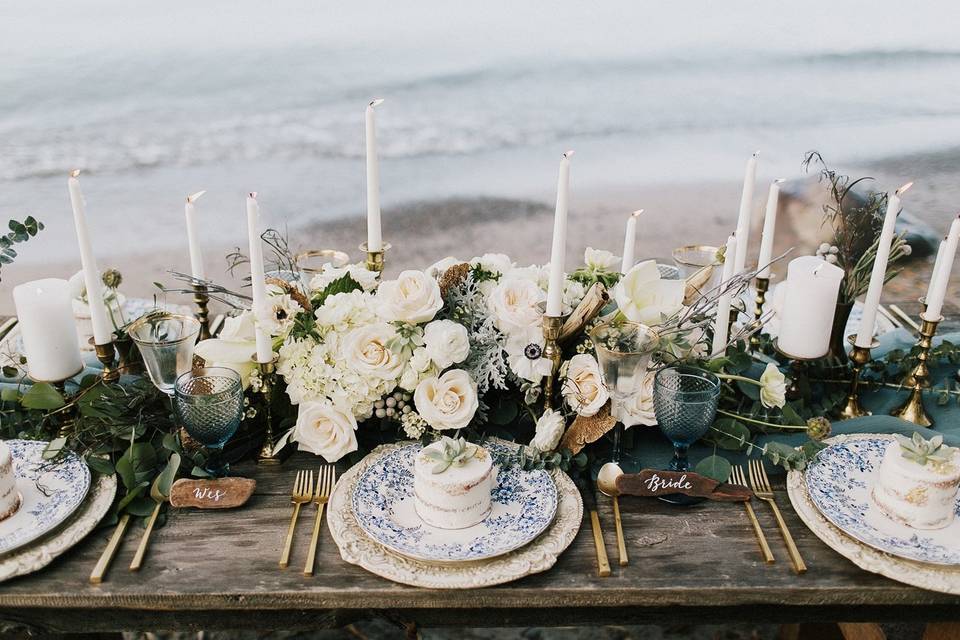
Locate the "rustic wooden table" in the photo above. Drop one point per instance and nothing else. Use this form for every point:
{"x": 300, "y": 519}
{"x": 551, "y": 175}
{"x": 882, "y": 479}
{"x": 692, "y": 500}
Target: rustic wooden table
{"x": 218, "y": 570}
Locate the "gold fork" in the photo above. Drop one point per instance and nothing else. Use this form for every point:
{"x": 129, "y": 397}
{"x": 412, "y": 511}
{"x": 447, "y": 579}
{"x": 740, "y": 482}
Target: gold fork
{"x": 738, "y": 477}
{"x": 302, "y": 493}
{"x": 761, "y": 488}
{"x": 326, "y": 479}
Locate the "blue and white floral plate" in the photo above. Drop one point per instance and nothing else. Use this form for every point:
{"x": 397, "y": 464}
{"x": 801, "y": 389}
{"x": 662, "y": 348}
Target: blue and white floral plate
{"x": 51, "y": 492}
{"x": 839, "y": 482}
{"x": 523, "y": 506}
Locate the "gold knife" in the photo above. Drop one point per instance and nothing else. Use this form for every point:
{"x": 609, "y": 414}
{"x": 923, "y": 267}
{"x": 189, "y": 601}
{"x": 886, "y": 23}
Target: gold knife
{"x": 590, "y": 504}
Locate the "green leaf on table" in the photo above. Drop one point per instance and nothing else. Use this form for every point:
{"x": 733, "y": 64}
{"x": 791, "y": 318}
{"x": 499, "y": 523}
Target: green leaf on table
{"x": 43, "y": 396}
{"x": 171, "y": 442}
{"x": 10, "y": 394}
{"x": 791, "y": 417}
{"x": 54, "y": 447}
{"x": 132, "y": 493}
{"x": 200, "y": 472}
{"x": 730, "y": 434}
{"x": 749, "y": 389}
{"x": 103, "y": 466}
{"x": 164, "y": 481}
{"x": 716, "y": 467}
{"x": 141, "y": 506}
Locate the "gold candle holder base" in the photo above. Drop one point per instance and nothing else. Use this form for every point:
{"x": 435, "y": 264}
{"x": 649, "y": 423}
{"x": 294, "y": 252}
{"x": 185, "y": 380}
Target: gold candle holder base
{"x": 267, "y": 455}
{"x": 859, "y": 356}
{"x": 375, "y": 259}
{"x": 106, "y": 354}
{"x": 551, "y": 351}
{"x": 798, "y": 369}
{"x": 763, "y": 285}
{"x": 919, "y": 377}
{"x": 202, "y": 299}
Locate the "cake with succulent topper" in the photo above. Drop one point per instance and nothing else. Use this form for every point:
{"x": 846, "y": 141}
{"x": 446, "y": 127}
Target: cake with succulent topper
{"x": 452, "y": 481}
{"x": 918, "y": 481}
{"x": 9, "y": 496}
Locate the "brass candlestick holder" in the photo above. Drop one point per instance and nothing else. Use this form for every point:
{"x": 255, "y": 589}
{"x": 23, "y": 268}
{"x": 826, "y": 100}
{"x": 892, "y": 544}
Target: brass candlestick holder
{"x": 859, "y": 356}
{"x": 798, "y": 369}
{"x": 268, "y": 372}
{"x": 763, "y": 285}
{"x": 375, "y": 259}
{"x": 919, "y": 377}
{"x": 61, "y": 386}
{"x": 106, "y": 354}
{"x": 201, "y": 299}
{"x": 551, "y": 351}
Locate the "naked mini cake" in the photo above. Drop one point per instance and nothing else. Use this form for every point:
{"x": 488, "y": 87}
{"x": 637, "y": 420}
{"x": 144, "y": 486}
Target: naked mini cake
{"x": 9, "y": 496}
{"x": 452, "y": 482}
{"x": 918, "y": 481}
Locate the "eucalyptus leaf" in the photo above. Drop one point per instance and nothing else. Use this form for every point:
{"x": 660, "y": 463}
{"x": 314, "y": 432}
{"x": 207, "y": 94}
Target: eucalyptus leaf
{"x": 100, "y": 465}
{"x": 54, "y": 447}
{"x": 43, "y": 396}
{"x": 160, "y": 490}
{"x": 716, "y": 467}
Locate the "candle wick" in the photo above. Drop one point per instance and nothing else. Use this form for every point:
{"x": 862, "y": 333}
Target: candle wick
{"x": 568, "y": 154}
{"x": 779, "y": 180}
{"x": 253, "y": 194}
{"x": 756, "y": 153}
{"x": 904, "y": 188}
{"x": 376, "y": 101}
{"x": 636, "y": 214}
{"x": 75, "y": 173}
{"x": 193, "y": 198}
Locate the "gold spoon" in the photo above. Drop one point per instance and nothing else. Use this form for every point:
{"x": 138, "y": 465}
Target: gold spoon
{"x": 607, "y": 484}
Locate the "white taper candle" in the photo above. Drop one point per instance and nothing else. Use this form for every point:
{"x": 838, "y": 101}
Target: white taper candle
{"x": 879, "y": 273}
{"x": 942, "y": 274}
{"x": 721, "y": 323}
{"x": 374, "y": 233}
{"x": 630, "y": 242}
{"x": 196, "y": 254}
{"x": 743, "y": 218}
{"x": 257, "y": 277}
{"x": 559, "y": 249}
{"x": 102, "y": 326}
{"x": 935, "y": 272}
{"x": 769, "y": 230}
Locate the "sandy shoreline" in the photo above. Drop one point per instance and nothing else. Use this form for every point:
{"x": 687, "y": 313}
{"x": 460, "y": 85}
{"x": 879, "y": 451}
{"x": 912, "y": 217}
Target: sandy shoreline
{"x": 675, "y": 215}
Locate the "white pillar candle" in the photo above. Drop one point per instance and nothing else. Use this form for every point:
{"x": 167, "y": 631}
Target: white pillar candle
{"x": 806, "y": 318}
{"x": 743, "y": 219}
{"x": 941, "y": 273}
{"x": 45, "y": 320}
{"x": 879, "y": 273}
{"x": 102, "y": 326}
{"x": 257, "y": 277}
{"x": 721, "y": 323}
{"x": 559, "y": 248}
{"x": 630, "y": 241}
{"x": 196, "y": 255}
{"x": 769, "y": 229}
{"x": 374, "y": 235}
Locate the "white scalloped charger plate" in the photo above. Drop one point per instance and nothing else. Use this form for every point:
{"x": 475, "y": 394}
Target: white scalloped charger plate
{"x": 839, "y": 483}
{"x": 356, "y": 547}
{"x": 523, "y": 504}
{"x": 945, "y": 579}
{"x": 51, "y": 492}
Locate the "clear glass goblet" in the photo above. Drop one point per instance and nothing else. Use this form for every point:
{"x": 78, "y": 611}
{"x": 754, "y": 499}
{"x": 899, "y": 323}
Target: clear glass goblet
{"x": 623, "y": 351}
{"x": 685, "y": 403}
{"x": 166, "y": 342}
{"x": 209, "y": 403}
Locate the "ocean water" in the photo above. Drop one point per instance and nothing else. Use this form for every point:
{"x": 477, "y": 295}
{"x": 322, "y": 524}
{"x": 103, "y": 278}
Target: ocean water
{"x": 155, "y": 102}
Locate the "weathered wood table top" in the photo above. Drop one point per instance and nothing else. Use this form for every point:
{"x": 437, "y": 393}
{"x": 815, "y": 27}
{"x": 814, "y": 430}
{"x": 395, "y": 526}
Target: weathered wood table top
{"x": 218, "y": 569}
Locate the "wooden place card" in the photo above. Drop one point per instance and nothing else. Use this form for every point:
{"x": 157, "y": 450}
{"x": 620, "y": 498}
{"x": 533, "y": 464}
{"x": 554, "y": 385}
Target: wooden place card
{"x": 654, "y": 482}
{"x": 223, "y": 493}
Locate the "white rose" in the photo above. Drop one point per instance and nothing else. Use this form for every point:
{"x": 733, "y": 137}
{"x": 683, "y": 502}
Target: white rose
{"x": 549, "y": 430}
{"x": 773, "y": 387}
{"x": 361, "y": 275}
{"x": 365, "y": 351}
{"x": 643, "y": 297}
{"x": 515, "y": 305}
{"x": 583, "y": 386}
{"x": 233, "y": 354}
{"x": 413, "y": 297}
{"x": 525, "y": 356}
{"x": 639, "y": 408}
{"x": 447, "y": 402}
{"x": 438, "y": 268}
{"x": 498, "y": 263}
{"x": 599, "y": 259}
{"x": 324, "y": 430}
{"x": 238, "y": 328}
{"x": 446, "y": 342}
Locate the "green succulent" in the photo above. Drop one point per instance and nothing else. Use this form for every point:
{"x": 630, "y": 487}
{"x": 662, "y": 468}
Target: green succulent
{"x": 923, "y": 451}
{"x": 450, "y": 453}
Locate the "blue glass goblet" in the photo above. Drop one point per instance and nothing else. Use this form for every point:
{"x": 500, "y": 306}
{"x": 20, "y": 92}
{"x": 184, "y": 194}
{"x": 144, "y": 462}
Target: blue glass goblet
{"x": 685, "y": 403}
{"x": 209, "y": 403}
